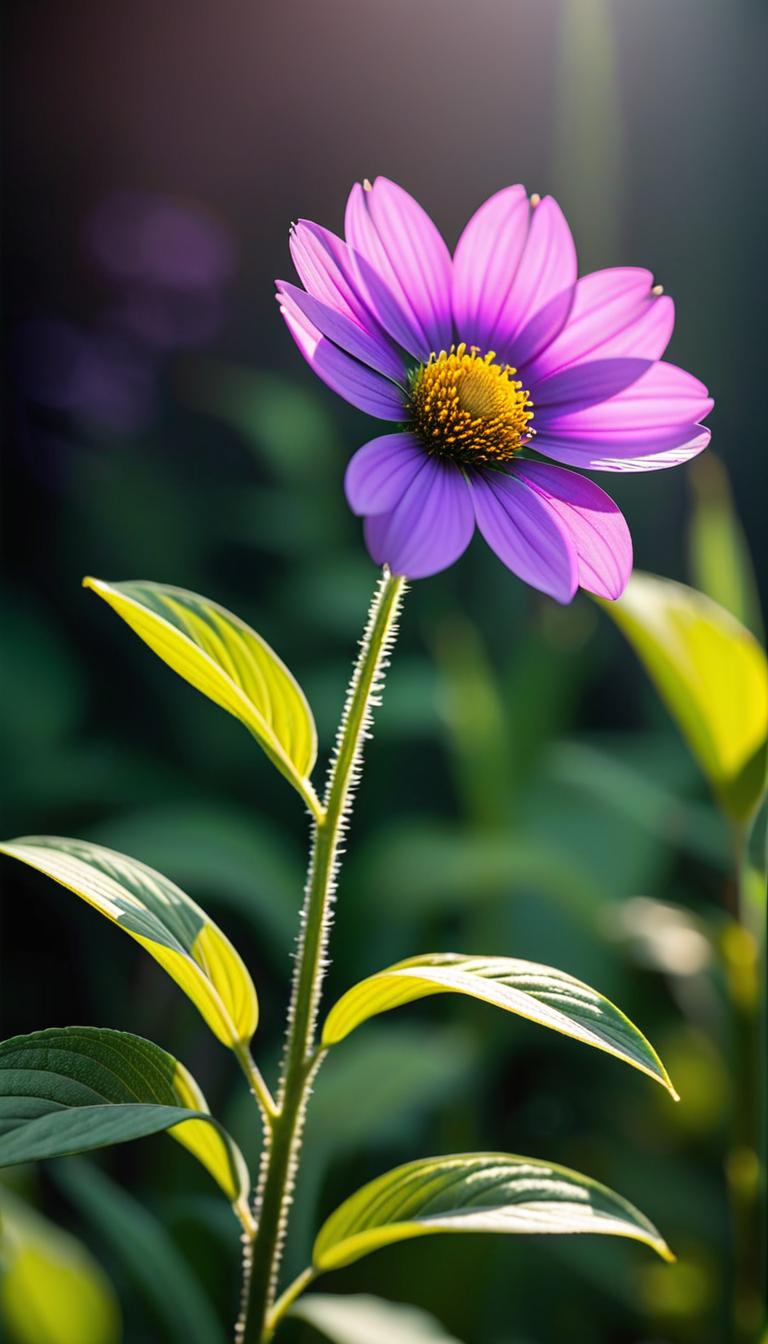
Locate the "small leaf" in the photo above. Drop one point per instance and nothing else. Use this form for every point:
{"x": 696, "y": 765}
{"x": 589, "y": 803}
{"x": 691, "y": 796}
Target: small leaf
{"x": 476, "y": 1192}
{"x": 142, "y": 1246}
{"x": 539, "y": 993}
{"x": 72, "y": 1089}
{"x": 712, "y": 675}
{"x": 52, "y": 1291}
{"x": 357, "y": 1318}
{"x": 221, "y": 656}
{"x": 162, "y": 918}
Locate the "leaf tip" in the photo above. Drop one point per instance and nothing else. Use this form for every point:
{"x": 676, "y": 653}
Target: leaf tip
{"x": 661, "y": 1076}
{"x": 666, "y": 1082}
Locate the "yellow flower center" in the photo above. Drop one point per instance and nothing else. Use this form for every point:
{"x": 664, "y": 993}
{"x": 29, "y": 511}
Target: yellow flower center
{"x": 468, "y": 409}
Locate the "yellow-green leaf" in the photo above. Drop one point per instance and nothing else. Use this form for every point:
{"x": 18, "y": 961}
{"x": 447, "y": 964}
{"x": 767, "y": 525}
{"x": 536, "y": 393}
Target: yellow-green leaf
{"x": 476, "y": 1192}
{"x": 72, "y": 1089}
{"x": 221, "y": 656}
{"x": 52, "y": 1291}
{"x": 713, "y": 676}
{"x": 538, "y": 993}
{"x": 162, "y": 918}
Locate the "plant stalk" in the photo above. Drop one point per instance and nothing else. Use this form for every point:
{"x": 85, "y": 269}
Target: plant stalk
{"x": 256, "y": 1083}
{"x": 302, "y": 1059}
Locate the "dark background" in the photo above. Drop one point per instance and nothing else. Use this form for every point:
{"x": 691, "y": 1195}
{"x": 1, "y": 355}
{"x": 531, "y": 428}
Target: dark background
{"x": 524, "y": 789}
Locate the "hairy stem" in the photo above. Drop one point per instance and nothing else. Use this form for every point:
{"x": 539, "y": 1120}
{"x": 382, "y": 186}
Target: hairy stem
{"x": 302, "y": 1058}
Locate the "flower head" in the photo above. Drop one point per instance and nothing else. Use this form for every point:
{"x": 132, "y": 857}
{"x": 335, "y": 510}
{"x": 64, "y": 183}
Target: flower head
{"x": 490, "y": 362}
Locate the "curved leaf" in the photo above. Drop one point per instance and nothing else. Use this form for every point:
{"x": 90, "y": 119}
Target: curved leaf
{"x": 221, "y": 656}
{"x": 357, "y": 1318}
{"x": 538, "y": 993}
{"x": 476, "y": 1192}
{"x": 51, "y": 1289}
{"x": 162, "y": 918}
{"x": 73, "y": 1089}
{"x": 713, "y": 676}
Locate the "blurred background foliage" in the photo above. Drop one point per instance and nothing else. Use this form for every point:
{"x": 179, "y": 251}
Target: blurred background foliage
{"x": 526, "y": 793}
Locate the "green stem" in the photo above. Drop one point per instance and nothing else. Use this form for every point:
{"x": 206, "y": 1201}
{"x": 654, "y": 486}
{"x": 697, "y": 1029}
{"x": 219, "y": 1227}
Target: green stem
{"x": 256, "y": 1083}
{"x": 302, "y": 1059}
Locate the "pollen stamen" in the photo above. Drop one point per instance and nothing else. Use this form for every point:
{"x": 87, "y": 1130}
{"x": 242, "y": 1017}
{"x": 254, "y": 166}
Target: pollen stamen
{"x": 468, "y": 408}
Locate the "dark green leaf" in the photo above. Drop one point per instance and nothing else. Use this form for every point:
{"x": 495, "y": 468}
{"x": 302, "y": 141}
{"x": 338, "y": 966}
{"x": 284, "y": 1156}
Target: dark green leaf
{"x": 73, "y": 1089}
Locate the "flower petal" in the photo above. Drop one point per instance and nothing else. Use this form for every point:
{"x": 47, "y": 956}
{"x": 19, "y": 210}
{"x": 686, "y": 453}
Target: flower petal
{"x": 429, "y": 528}
{"x": 381, "y": 471}
{"x": 392, "y": 232}
{"x": 586, "y": 384}
{"x": 340, "y": 277}
{"x": 325, "y": 269}
{"x": 485, "y": 263}
{"x": 625, "y": 450}
{"x": 595, "y": 524}
{"x": 514, "y": 272}
{"x": 649, "y": 425}
{"x": 352, "y": 381}
{"x": 662, "y": 396}
{"x": 615, "y": 314}
{"x": 525, "y": 533}
{"x": 541, "y": 294}
{"x": 372, "y": 350}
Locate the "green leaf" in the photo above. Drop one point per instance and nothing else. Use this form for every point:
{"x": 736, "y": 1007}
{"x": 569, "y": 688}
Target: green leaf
{"x": 73, "y": 1089}
{"x": 357, "y": 1318}
{"x": 52, "y": 1291}
{"x": 476, "y": 1192}
{"x": 712, "y": 675}
{"x": 221, "y": 656}
{"x": 539, "y": 993}
{"x": 721, "y": 565}
{"x": 143, "y": 1246}
{"x": 162, "y": 918}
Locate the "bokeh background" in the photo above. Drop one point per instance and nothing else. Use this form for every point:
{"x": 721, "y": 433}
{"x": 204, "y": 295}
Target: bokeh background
{"x": 525, "y": 792}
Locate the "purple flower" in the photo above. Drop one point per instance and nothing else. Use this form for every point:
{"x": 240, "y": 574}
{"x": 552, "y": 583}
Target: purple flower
{"x": 481, "y": 359}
